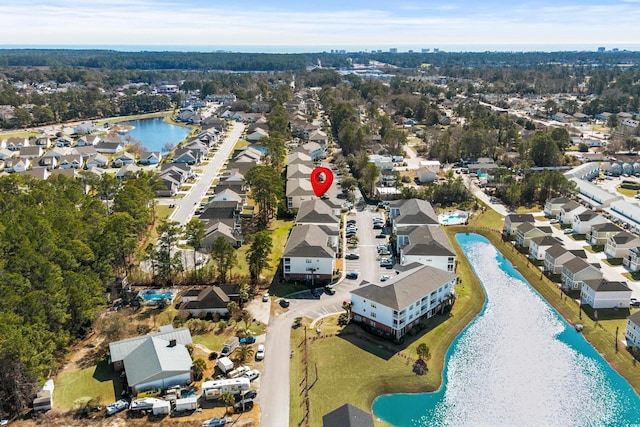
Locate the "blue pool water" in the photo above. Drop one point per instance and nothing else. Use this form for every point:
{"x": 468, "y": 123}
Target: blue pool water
{"x": 154, "y": 134}
{"x": 152, "y": 296}
{"x": 518, "y": 363}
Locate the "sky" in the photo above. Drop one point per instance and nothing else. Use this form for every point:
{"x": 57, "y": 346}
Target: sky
{"x": 339, "y": 24}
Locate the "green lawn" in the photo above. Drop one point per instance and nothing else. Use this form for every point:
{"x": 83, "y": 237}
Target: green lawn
{"x": 163, "y": 211}
{"x": 532, "y": 209}
{"x": 241, "y": 143}
{"x": 633, "y": 276}
{"x": 95, "y": 382}
{"x": 380, "y": 369}
{"x": 627, "y": 192}
{"x": 17, "y": 134}
{"x": 215, "y": 339}
{"x": 489, "y": 218}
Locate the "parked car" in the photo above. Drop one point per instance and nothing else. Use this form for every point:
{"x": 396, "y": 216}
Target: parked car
{"x": 252, "y": 374}
{"x": 118, "y": 406}
{"x": 351, "y": 234}
{"x": 385, "y": 262}
{"x": 351, "y": 221}
{"x": 284, "y": 302}
{"x": 634, "y": 302}
{"x": 381, "y": 235}
{"x": 249, "y": 394}
{"x": 215, "y": 422}
{"x": 352, "y": 227}
{"x": 260, "y": 352}
{"x": 352, "y": 275}
{"x": 265, "y": 297}
{"x": 152, "y": 392}
{"x": 243, "y": 405}
{"x": 329, "y": 290}
{"x": 384, "y": 277}
{"x": 554, "y": 221}
{"x": 351, "y": 255}
{"x": 247, "y": 340}
{"x": 568, "y": 230}
{"x": 378, "y": 226}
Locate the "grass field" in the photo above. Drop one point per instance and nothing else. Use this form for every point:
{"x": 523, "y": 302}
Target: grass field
{"x": 627, "y": 192}
{"x": 92, "y": 382}
{"x": 16, "y": 134}
{"x": 381, "y": 367}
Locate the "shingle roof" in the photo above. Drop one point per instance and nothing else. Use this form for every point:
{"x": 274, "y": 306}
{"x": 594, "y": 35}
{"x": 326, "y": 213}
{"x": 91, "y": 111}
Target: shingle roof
{"x": 316, "y": 211}
{"x": 415, "y": 212}
{"x": 407, "y": 288}
{"x": 347, "y": 416}
{"x": 308, "y": 240}
{"x": 623, "y": 237}
{"x": 606, "y": 227}
{"x": 587, "y": 215}
{"x": 606, "y": 286}
{"x": 576, "y": 264}
{"x": 558, "y": 200}
{"x": 426, "y": 240}
{"x": 545, "y": 240}
{"x": 518, "y": 218}
{"x": 571, "y": 205}
{"x": 210, "y": 297}
{"x": 635, "y": 318}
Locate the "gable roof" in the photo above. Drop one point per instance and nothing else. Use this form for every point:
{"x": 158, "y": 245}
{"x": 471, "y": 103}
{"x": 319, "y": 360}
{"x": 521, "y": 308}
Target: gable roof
{"x": 347, "y": 416}
{"x": 415, "y": 212}
{"x": 559, "y": 200}
{"x": 405, "y": 289}
{"x": 623, "y": 237}
{"x": 308, "y": 240}
{"x": 546, "y": 240}
{"x": 316, "y": 211}
{"x": 587, "y": 215}
{"x": 576, "y": 265}
{"x": 635, "y": 318}
{"x": 605, "y": 227}
{"x": 426, "y": 240}
{"x": 154, "y": 359}
{"x": 518, "y": 218}
{"x": 209, "y": 297}
{"x": 570, "y": 205}
{"x": 603, "y": 285}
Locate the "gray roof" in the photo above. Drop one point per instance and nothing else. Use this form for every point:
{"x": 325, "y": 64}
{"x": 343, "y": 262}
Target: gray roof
{"x": 576, "y": 264}
{"x": 120, "y": 349}
{"x": 570, "y": 205}
{"x": 415, "y": 212}
{"x": 308, "y": 240}
{"x": 587, "y": 215}
{"x": 405, "y": 289}
{"x": 208, "y": 298}
{"x": 519, "y": 218}
{"x": 603, "y": 285}
{"x": 155, "y": 359}
{"x": 526, "y": 226}
{"x": 558, "y": 200}
{"x": 316, "y": 211}
{"x": 299, "y": 187}
{"x": 623, "y": 237}
{"x": 347, "y": 416}
{"x": 635, "y": 318}
{"x": 426, "y": 240}
{"x": 605, "y": 227}
{"x": 546, "y": 240}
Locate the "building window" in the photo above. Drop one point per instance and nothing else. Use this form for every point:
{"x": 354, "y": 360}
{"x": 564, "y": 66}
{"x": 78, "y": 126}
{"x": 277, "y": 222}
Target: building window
{"x": 373, "y": 305}
{"x": 287, "y": 261}
{"x": 308, "y": 261}
{"x": 450, "y": 268}
{"x": 451, "y": 260}
{"x": 287, "y": 268}
{"x": 373, "y": 314}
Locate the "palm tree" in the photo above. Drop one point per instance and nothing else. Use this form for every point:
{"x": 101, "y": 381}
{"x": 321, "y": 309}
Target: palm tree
{"x": 423, "y": 352}
{"x": 228, "y": 399}
{"x": 244, "y": 352}
{"x": 199, "y": 368}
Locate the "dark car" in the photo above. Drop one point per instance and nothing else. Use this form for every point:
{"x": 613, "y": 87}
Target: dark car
{"x": 284, "y": 303}
{"x": 243, "y": 405}
{"x": 351, "y": 233}
{"x": 378, "y": 226}
{"x": 351, "y": 221}
{"x": 329, "y": 290}
{"x": 381, "y": 235}
{"x": 352, "y": 275}
{"x": 250, "y": 394}
{"x": 352, "y": 256}
{"x": 341, "y": 196}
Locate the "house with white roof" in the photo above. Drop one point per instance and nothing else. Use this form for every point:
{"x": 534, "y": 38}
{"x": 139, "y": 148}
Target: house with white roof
{"x": 605, "y": 294}
{"x": 398, "y": 305}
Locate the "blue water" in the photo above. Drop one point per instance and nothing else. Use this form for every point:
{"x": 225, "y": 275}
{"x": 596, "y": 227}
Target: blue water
{"x": 518, "y": 363}
{"x": 152, "y": 296}
{"x": 154, "y": 134}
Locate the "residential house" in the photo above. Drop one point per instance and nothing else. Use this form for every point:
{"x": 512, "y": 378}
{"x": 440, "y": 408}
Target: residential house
{"x": 17, "y": 165}
{"x": 109, "y": 147}
{"x": 150, "y": 158}
{"x": 86, "y": 129}
{"x": 168, "y": 186}
{"x": 38, "y": 173}
{"x": 257, "y": 135}
{"x": 411, "y": 212}
{"x": 299, "y": 171}
{"x": 600, "y": 233}
{"x": 31, "y": 152}
{"x": 576, "y": 271}
{"x": 127, "y": 172}
{"x": 57, "y": 153}
{"x": 538, "y": 246}
{"x": 632, "y": 260}
{"x": 319, "y": 137}
{"x": 228, "y": 195}
{"x": 618, "y": 245}
{"x": 43, "y": 141}
{"x": 569, "y": 211}
{"x": 198, "y": 146}
{"x": 347, "y": 416}
{"x": 217, "y": 228}
{"x": 7, "y": 154}
{"x": 557, "y": 255}
{"x": 553, "y": 206}
{"x": 124, "y": 159}
{"x": 398, "y": 305}
{"x": 583, "y": 222}
{"x": 528, "y": 230}
{"x": 187, "y": 156}
{"x": 632, "y": 334}
{"x": 319, "y": 212}
{"x": 299, "y": 157}
{"x": 63, "y": 141}
{"x": 381, "y": 162}
{"x": 15, "y": 144}
{"x": 425, "y": 175}
{"x": 74, "y": 161}
{"x": 213, "y": 122}
{"x": 425, "y": 244}
{"x": 97, "y": 161}
{"x": 255, "y": 126}
{"x": 310, "y": 253}
{"x": 297, "y": 191}
{"x": 233, "y": 180}
{"x": 71, "y": 172}
{"x": 48, "y": 162}
{"x": 88, "y": 141}
{"x": 227, "y": 212}
{"x": 205, "y": 302}
{"x": 605, "y": 294}
{"x": 513, "y": 221}
{"x": 86, "y": 151}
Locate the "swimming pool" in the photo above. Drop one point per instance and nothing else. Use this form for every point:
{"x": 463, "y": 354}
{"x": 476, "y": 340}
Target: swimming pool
{"x": 455, "y": 218}
{"x": 152, "y": 296}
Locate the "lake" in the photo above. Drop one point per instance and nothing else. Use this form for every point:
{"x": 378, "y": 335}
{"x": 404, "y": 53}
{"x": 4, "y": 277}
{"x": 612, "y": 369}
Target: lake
{"x": 518, "y": 363}
{"x": 154, "y": 134}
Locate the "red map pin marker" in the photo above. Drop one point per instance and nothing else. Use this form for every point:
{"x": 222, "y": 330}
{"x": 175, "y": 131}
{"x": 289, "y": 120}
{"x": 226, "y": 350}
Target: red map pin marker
{"x": 321, "y": 180}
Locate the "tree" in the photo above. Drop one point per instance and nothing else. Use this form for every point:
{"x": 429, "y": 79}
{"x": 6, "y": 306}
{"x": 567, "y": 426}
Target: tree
{"x": 198, "y": 368}
{"x": 228, "y": 399}
{"x": 369, "y": 178}
{"x": 349, "y": 183}
{"x": 266, "y": 188}
{"x": 224, "y": 256}
{"x": 244, "y": 352}
{"x": 551, "y": 107}
{"x": 544, "y": 150}
{"x": 169, "y": 231}
{"x": 276, "y": 150}
{"x": 258, "y": 254}
{"x": 612, "y": 121}
{"x": 423, "y": 352}
{"x": 194, "y": 234}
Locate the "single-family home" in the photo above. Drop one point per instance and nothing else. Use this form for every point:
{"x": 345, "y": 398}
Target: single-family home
{"x": 206, "y": 301}
{"x": 347, "y": 415}
{"x": 197, "y": 146}
{"x": 218, "y": 228}
{"x": 257, "y": 135}
{"x": 632, "y": 260}
{"x": 310, "y": 253}
{"x": 150, "y": 158}
{"x": 569, "y": 211}
{"x": 298, "y": 157}
{"x": 7, "y": 154}
{"x": 397, "y": 306}
{"x": 124, "y": 159}
{"x": 583, "y": 222}
{"x": 233, "y": 180}
{"x": 297, "y": 191}
{"x": 188, "y": 156}
{"x": 553, "y": 206}
{"x": 227, "y": 212}
{"x": 38, "y": 173}
{"x": 538, "y": 246}
{"x": 63, "y": 141}
{"x": 17, "y": 165}
{"x": 14, "y": 144}
{"x": 513, "y": 221}
{"x": 228, "y": 195}
{"x": 315, "y": 150}
{"x": 86, "y": 151}
{"x": 71, "y": 172}
{"x": 528, "y": 230}
{"x": 319, "y": 137}
{"x": 618, "y": 245}
{"x": 557, "y": 255}
{"x": 31, "y": 152}
{"x": 48, "y": 162}
{"x": 632, "y": 334}
{"x": 299, "y": 170}
{"x": 425, "y": 244}
{"x": 86, "y": 129}
{"x": 109, "y": 147}
{"x": 43, "y": 141}
{"x": 605, "y": 294}
{"x": 600, "y": 233}
{"x": 576, "y": 271}
{"x": 97, "y": 161}
{"x": 425, "y": 175}
{"x": 71, "y": 161}
{"x": 319, "y": 212}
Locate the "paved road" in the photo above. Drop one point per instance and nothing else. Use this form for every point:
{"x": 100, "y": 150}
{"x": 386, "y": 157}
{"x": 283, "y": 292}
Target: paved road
{"x": 186, "y": 206}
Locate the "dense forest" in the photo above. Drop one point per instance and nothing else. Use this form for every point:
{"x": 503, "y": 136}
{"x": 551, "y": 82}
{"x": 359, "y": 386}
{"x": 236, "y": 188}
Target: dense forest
{"x": 60, "y": 245}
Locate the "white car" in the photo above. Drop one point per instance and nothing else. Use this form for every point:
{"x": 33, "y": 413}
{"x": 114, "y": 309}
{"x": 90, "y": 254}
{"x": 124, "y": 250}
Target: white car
{"x": 265, "y": 297}
{"x": 568, "y": 230}
{"x": 260, "y": 352}
{"x": 252, "y": 374}
{"x": 384, "y": 277}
